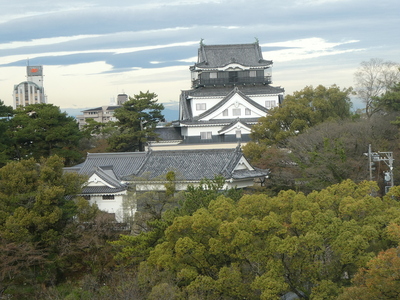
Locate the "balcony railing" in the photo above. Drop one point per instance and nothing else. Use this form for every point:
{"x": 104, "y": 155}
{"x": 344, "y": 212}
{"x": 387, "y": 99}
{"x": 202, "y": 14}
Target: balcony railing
{"x": 231, "y": 81}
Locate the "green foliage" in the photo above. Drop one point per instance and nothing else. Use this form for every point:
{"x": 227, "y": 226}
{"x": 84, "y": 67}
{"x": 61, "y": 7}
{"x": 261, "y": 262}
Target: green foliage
{"x": 137, "y": 119}
{"x": 208, "y": 189}
{"x": 300, "y": 111}
{"x": 390, "y": 101}
{"x": 42, "y": 130}
{"x": 92, "y": 127}
{"x": 159, "y": 209}
{"x": 5, "y": 114}
{"x": 263, "y": 247}
{"x": 34, "y": 212}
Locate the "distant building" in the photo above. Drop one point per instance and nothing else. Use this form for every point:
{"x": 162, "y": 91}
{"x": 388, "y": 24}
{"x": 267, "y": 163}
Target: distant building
{"x": 102, "y": 114}
{"x": 122, "y": 98}
{"x": 30, "y": 91}
{"x": 231, "y": 90}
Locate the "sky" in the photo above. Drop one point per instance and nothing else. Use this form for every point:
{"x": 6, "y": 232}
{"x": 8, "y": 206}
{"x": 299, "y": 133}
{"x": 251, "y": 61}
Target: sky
{"x": 93, "y": 50}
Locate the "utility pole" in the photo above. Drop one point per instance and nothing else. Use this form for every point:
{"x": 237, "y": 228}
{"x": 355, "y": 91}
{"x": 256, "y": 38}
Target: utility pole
{"x": 387, "y": 158}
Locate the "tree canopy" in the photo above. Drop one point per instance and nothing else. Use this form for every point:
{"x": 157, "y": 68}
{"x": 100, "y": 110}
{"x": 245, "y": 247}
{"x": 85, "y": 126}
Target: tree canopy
{"x": 390, "y": 100}
{"x": 262, "y": 247}
{"x": 137, "y": 119}
{"x": 372, "y": 79}
{"x": 300, "y": 111}
{"x": 42, "y": 130}
{"x": 34, "y": 212}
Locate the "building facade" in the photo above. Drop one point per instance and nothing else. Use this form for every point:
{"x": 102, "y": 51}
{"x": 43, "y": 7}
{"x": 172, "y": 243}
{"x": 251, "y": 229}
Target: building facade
{"x": 111, "y": 175}
{"x": 30, "y": 91}
{"x": 231, "y": 89}
{"x": 102, "y": 114}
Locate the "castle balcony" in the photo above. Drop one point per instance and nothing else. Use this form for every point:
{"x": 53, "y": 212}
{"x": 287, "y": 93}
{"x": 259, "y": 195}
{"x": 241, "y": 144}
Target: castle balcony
{"x": 231, "y": 81}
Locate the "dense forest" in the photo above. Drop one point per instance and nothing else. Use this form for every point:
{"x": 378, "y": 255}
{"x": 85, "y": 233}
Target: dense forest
{"x": 317, "y": 229}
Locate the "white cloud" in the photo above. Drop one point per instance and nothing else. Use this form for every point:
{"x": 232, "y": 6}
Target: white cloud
{"x": 305, "y": 49}
{"x": 13, "y": 58}
{"x": 45, "y": 41}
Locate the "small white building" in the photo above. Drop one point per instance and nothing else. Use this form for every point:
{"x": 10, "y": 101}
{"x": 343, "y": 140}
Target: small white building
{"x": 111, "y": 175}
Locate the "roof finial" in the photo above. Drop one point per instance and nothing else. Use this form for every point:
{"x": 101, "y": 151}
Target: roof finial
{"x": 201, "y": 42}
{"x": 256, "y": 40}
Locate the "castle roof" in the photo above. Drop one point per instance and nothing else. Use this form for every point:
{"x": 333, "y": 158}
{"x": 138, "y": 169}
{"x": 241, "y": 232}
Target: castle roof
{"x": 214, "y": 56}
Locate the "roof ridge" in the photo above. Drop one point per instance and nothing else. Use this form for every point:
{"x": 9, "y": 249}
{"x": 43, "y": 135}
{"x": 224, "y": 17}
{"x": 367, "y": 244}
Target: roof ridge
{"x": 103, "y": 175}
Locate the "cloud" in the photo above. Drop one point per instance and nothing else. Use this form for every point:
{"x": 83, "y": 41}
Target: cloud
{"x": 306, "y": 48}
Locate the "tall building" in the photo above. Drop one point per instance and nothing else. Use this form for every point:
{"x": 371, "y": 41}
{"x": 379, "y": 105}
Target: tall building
{"x": 30, "y": 91}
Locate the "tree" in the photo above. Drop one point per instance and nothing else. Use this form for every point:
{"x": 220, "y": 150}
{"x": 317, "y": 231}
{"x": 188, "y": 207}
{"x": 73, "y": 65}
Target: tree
{"x": 372, "y": 79}
{"x": 300, "y": 111}
{"x": 34, "y": 212}
{"x": 137, "y": 119}
{"x": 42, "y": 130}
{"x": 378, "y": 280}
{"x": 95, "y": 135}
{"x": 263, "y": 247}
{"x": 390, "y": 101}
{"x": 5, "y": 143}
{"x": 333, "y": 151}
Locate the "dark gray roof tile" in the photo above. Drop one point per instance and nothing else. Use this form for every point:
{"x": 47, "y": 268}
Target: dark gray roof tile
{"x": 190, "y": 164}
{"x": 123, "y": 163}
{"x": 212, "y": 56}
{"x": 102, "y": 190}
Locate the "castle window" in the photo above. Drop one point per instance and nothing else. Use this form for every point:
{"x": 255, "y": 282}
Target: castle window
{"x": 238, "y": 134}
{"x": 253, "y": 73}
{"x": 233, "y": 76}
{"x": 270, "y": 103}
{"x": 225, "y": 113}
{"x": 236, "y": 111}
{"x": 247, "y": 112}
{"x": 213, "y": 75}
{"x": 206, "y": 135}
{"x": 108, "y": 197}
{"x": 200, "y": 106}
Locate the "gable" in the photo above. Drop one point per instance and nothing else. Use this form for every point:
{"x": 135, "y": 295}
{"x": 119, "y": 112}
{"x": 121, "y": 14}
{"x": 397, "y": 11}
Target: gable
{"x": 233, "y": 128}
{"x": 96, "y": 180}
{"x": 243, "y": 164}
{"x": 236, "y": 105}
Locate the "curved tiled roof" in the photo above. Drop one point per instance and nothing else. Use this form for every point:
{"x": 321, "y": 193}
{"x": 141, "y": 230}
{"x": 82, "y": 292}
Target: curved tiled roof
{"x": 210, "y": 91}
{"x": 225, "y": 93}
{"x": 223, "y": 122}
{"x": 231, "y": 125}
{"x": 191, "y": 164}
{"x": 214, "y": 56}
{"x": 102, "y": 190}
{"x": 123, "y": 163}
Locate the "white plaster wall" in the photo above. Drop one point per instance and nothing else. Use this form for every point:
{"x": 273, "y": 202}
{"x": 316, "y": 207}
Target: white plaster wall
{"x": 260, "y": 99}
{"x": 115, "y": 206}
{"x": 210, "y": 102}
{"x": 195, "y": 131}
